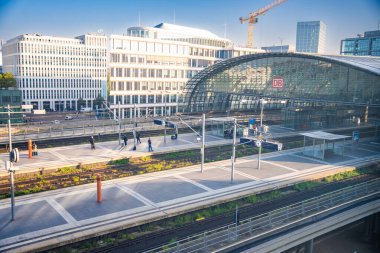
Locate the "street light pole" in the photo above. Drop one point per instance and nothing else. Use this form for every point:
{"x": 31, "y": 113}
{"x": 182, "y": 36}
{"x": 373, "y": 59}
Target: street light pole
{"x": 119, "y": 119}
{"x": 134, "y": 125}
{"x": 11, "y": 172}
{"x": 203, "y": 144}
{"x": 203, "y": 141}
{"x": 165, "y": 120}
{"x": 260, "y": 136}
{"x": 233, "y": 153}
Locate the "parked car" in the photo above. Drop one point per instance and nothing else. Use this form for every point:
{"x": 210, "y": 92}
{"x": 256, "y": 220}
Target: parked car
{"x": 56, "y": 122}
{"x": 68, "y": 117}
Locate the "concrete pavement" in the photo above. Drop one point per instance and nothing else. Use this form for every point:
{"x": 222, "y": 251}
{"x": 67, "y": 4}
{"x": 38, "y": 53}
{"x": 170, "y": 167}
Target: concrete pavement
{"x": 65, "y": 215}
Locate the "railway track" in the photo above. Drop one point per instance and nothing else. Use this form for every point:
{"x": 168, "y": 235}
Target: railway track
{"x": 161, "y": 237}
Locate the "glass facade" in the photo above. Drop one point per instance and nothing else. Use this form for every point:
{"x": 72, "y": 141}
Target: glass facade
{"x": 306, "y": 81}
{"x": 311, "y": 37}
{"x": 367, "y": 45}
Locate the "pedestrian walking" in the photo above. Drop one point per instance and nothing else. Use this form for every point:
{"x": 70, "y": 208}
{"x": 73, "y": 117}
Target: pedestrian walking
{"x": 34, "y": 150}
{"x": 125, "y": 138}
{"x": 92, "y": 142}
{"x": 138, "y": 137}
{"x": 150, "y": 149}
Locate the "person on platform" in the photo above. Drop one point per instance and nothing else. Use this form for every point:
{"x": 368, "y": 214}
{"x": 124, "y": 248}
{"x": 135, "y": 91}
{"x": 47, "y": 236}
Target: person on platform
{"x": 150, "y": 149}
{"x": 92, "y": 142}
{"x": 138, "y": 137}
{"x": 125, "y": 138}
{"x": 35, "y": 150}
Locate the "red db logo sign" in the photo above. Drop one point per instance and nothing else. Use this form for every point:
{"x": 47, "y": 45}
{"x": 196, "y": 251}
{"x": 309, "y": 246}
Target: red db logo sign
{"x": 278, "y": 82}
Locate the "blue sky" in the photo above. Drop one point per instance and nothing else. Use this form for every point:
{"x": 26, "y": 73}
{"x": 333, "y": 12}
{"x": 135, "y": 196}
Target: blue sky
{"x": 69, "y": 18}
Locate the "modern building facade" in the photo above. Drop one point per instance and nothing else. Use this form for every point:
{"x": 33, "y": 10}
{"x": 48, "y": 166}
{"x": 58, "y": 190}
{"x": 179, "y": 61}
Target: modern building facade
{"x": 313, "y": 91}
{"x": 53, "y": 73}
{"x": 149, "y": 66}
{"x": 311, "y": 37}
{"x": 279, "y": 49}
{"x": 367, "y": 45}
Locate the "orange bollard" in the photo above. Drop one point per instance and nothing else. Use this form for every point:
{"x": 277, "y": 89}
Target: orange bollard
{"x": 30, "y": 149}
{"x": 99, "y": 188}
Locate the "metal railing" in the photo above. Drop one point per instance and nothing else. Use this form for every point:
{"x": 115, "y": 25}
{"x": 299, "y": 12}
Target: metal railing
{"x": 270, "y": 222}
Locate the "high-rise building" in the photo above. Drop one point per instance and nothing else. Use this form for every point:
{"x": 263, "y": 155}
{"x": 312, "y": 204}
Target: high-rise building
{"x": 149, "y": 66}
{"x": 311, "y": 37}
{"x": 367, "y": 45}
{"x": 54, "y": 73}
{"x": 279, "y": 49}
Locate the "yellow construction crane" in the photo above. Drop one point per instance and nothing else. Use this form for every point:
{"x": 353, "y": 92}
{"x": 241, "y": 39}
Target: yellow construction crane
{"x": 252, "y": 18}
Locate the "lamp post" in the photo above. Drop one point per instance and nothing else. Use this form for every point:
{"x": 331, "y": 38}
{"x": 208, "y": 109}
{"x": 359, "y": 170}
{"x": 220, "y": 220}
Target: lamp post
{"x": 203, "y": 145}
{"x": 164, "y": 97}
{"x": 203, "y": 141}
{"x": 11, "y": 172}
{"x": 233, "y": 153}
{"x": 119, "y": 120}
{"x": 134, "y": 125}
{"x": 262, "y": 101}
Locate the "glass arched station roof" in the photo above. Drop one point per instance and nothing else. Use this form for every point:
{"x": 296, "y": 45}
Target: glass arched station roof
{"x": 232, "y": 84}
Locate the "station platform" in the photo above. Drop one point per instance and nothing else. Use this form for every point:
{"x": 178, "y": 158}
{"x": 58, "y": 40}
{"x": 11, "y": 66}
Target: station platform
{"x": 58, "y": 157}
{"x": 70, "y": 214}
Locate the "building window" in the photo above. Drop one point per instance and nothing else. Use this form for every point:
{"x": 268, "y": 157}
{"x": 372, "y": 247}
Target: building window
{"x": 6, "y": 99}
{"x": 137, "y": 86}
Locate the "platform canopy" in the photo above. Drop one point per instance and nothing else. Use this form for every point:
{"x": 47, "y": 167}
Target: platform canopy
{"x": 323, "y": 144}
{"x": 324, "y": 135}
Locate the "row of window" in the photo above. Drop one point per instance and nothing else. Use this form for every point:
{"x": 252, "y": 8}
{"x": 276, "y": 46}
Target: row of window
{"x": 41, "y": 83}
{"x": 61, "y": 72}
{"x": 156, "y": 47}
{"x": 148, "y": 73}
{"x": 59, "y": 94}
{"x": 148, "y": 99}
{"x": 10, "y": 99}
{"x": 138, "y": 86}
{"x": 63, "y": 49}
{"x": 366, "y": 44}
{"x": 62, "y": 60}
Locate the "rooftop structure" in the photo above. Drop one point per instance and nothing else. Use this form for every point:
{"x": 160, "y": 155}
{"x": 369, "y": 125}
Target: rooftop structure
{"x": 279, "y": 49}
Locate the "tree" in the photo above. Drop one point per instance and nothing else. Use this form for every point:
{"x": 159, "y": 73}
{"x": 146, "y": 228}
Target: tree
{"x": 98, "y": 101}
{"x": 7, "y": 80}
{"x": 81, "y": 103}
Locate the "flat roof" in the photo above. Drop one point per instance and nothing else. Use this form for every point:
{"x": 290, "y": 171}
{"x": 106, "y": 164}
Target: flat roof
{"x": 324, "y": 135}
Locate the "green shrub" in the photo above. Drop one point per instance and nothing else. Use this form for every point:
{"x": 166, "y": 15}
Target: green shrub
{"x": 305, "y": 185}
{"x": 252, "y": 199}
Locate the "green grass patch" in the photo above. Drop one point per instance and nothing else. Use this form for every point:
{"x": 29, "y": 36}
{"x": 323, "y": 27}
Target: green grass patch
{"x": 123, "y": 161}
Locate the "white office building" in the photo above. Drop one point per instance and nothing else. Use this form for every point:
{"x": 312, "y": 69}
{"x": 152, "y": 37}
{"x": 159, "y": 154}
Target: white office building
{"x": 311, "y": 37}
{"x": 149, "y": 66}
{"x": 53, "y": 73}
